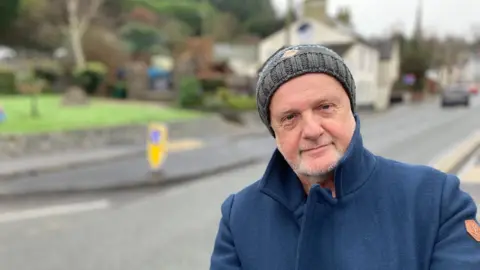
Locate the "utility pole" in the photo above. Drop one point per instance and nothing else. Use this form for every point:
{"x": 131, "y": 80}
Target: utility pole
{"x": 288, "y": 22}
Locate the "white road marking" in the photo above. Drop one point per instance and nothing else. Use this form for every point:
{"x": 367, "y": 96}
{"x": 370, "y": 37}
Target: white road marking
{"x": 54, "y": 211}
{"x": 443, "y": 161}
{"x": 471, "y": 163}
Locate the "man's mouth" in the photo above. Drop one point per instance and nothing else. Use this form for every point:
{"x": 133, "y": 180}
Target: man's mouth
{"x": 320, "y": 147}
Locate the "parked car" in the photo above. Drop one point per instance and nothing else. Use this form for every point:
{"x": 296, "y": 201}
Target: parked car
{"x": 458, "y": 94}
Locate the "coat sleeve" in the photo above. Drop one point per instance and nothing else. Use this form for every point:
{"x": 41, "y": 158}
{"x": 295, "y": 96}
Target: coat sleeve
{"x": 224, "y": 255}
{"x": 455, "y": 247}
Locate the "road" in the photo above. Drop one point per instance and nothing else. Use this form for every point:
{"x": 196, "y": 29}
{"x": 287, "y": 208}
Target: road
{"x": 174, "y": 228}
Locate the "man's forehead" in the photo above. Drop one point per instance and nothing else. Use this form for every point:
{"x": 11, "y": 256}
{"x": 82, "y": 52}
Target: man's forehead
{"x": 302, "y": 93}
{"x": 293, "y": 102}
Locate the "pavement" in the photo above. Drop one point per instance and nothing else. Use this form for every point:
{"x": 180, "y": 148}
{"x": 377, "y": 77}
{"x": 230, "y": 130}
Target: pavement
{"x": 174, "y": 227}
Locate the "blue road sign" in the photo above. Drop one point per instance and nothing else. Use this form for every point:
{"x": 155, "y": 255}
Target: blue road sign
{"x": 3, "y": 117}
{"x": 155, "y": 136}
{"x": 409, "y": 79}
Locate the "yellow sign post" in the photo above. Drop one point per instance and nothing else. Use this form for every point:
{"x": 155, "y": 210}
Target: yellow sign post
{"x": 157, "y": 145}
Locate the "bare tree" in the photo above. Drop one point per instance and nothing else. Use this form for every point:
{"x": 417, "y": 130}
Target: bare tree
{"x": 79, "y": 18}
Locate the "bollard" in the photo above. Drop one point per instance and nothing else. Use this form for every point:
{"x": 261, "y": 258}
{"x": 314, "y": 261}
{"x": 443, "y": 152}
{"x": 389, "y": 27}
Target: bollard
{"x": 157, "y": 147}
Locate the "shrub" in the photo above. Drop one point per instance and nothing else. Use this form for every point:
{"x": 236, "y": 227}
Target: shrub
{"x": 212, "y": 85}
{"x": 7, "y": 82}
{"x": 236, "y": 101}
{"x": 242, "y": 103}
{"x": 190, "y": 95}
{"x": 27, "y": 83}
{"x": 91, "y": 77}
{"x": 49, "y": 75}
{"x": 226, "y": 99}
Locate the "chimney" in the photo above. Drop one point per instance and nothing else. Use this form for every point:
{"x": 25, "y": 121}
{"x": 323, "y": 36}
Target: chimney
{"x": 315, "y": 9}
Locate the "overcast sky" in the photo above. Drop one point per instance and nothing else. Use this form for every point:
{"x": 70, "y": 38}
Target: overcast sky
{"x": 373, "y": 17}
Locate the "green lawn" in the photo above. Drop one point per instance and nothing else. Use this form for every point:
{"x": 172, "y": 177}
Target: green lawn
{"x": 55, "y": 117}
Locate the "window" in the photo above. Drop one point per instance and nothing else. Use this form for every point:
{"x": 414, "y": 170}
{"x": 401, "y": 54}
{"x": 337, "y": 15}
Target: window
{"x": 305, "y": 32}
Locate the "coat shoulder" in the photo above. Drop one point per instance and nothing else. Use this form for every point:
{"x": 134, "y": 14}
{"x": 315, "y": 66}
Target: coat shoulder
{"x": 418, "y": 186}
{"x": 410, "y": 174}
{"x": 248, "y": 195}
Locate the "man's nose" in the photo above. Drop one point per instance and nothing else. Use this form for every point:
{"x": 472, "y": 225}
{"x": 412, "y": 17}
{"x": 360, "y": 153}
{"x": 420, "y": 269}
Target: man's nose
{"x": 312, "y": 128}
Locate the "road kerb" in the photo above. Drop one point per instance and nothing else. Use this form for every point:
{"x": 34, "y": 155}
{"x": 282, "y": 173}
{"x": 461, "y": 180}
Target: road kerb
{"x": 457, "y": 154}
{"x": 150, "y": 181}
{"x": 48, "y": 167}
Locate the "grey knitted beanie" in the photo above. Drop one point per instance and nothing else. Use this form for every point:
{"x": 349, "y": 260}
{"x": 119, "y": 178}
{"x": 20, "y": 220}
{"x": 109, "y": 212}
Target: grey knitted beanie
{"x": 293, "y": 61}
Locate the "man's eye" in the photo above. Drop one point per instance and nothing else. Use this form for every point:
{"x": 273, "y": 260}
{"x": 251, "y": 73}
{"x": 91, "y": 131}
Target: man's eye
{"x": 288, "y": 117}
{"x": 327, "y": 107}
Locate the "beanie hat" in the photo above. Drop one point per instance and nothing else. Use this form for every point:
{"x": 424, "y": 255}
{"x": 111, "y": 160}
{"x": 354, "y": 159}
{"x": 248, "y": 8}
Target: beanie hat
{"x": 294, "y": 61}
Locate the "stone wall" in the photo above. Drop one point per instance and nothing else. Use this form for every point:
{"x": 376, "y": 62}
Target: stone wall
{"x": 15, "y": 146}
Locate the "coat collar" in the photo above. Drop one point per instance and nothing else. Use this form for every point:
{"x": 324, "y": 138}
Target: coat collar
{"x": 281, "y": 183}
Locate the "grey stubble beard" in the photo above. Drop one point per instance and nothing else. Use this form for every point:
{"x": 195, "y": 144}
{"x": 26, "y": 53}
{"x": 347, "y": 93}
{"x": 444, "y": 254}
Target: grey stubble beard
{"x": 317, "y": 177}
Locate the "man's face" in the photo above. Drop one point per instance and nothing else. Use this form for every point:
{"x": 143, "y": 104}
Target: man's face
{"x": 313, "y": 123}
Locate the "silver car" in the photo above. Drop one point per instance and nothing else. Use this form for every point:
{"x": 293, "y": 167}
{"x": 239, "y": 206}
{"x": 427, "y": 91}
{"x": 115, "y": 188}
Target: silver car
{"x": 456, "y": 95}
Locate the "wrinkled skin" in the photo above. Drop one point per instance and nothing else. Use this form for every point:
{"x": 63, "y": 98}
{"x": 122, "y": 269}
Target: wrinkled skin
{"x": 313, "y": 124}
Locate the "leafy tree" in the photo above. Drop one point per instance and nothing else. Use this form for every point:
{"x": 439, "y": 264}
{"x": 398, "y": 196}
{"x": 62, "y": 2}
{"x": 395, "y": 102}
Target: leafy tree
{"x": 415, "y": 60}
{"x": 190, "y": 12}
{"x": 141, "y": 37}
{"x": 257, "y": 16}
{"x": 9, "y": 11}
{"x": 28, "y": 24}
{"x": 262, "y": 26}
{"x": 246, "y": 9}
{"x": 222, "y": 26}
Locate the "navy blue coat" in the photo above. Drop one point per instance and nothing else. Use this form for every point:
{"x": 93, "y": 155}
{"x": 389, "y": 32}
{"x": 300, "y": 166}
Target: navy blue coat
{"x": 387, "y": 215}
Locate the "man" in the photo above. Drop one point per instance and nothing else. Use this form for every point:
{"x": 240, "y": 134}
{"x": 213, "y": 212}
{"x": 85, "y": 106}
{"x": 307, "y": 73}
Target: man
{"x": 325, "y": 202}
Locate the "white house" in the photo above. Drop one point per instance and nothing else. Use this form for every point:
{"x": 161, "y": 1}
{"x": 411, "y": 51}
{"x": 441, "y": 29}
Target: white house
{"x": 467, "y": 71}
{"x": 445, "y": 74}
{"x": 471, "y": 69}
{"x": 389, "y": 69}
{"x": 315, "y": 27}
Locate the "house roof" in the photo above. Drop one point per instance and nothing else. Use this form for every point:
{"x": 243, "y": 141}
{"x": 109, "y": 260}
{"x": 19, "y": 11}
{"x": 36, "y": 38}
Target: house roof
{"x": 347, "y": 29}
{"x": 385, "y": 47}
{"x": 335, "y": 25}
{"x": 339, "y": 48}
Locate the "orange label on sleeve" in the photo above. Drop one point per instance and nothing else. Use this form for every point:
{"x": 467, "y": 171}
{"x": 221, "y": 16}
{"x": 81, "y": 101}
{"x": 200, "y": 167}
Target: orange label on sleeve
{"x": 473, "y": 229}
